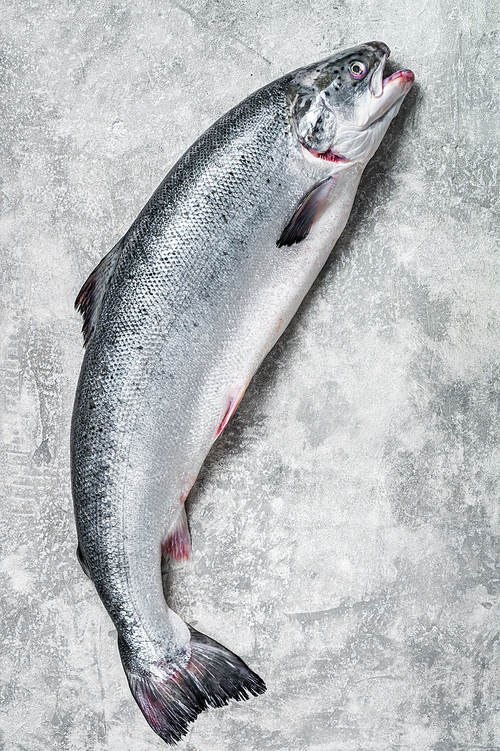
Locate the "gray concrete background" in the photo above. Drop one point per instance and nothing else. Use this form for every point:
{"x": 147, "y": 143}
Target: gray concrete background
{"x": 346, "y": 527}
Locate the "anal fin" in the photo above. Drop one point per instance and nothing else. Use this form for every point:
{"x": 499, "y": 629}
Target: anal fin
{"x": 308, "y": 211}
{"x": 177, "y": 542}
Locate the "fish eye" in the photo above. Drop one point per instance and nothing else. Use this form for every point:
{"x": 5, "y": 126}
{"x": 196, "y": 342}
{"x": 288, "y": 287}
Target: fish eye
{"x": 358, "y": 69}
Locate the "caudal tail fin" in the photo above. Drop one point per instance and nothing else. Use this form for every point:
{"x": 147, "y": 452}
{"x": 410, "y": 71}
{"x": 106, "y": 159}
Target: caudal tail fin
{"x": 170, "y": 699}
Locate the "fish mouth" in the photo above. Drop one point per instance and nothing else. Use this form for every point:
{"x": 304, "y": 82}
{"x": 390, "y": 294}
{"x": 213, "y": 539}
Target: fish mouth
{"x": 393, "y": 89}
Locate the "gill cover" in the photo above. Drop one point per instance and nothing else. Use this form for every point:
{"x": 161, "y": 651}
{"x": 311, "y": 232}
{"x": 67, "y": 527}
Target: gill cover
{"x": 315, "y": 125}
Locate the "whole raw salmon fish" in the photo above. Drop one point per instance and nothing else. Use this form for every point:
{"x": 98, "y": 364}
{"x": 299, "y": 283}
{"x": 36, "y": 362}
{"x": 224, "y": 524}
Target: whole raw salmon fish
{"x": 177, "y": 318}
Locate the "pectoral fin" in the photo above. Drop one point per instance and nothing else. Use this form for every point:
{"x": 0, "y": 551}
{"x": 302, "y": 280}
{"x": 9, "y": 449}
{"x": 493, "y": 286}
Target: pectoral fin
{"x": 309, "y": 210}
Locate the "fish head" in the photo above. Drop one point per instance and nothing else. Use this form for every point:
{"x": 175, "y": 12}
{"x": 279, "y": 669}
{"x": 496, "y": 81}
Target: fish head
{"x": 342, "y": 106}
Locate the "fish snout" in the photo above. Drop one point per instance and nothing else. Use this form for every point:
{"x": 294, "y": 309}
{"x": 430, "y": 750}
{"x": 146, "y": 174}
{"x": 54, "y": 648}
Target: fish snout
{"x": 402, "y": 79}
{"x": 408, "y": 76}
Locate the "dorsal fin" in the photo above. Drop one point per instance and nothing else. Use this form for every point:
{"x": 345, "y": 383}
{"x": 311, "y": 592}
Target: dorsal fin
{"x": 91, "y": 295}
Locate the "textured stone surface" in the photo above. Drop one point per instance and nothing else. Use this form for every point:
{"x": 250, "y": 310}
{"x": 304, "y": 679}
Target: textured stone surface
{"x": 346, "y": 528}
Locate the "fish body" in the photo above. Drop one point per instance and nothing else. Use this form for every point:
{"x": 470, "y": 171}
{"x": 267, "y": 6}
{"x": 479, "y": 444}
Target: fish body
{"x": 177, "y": 318}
